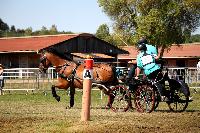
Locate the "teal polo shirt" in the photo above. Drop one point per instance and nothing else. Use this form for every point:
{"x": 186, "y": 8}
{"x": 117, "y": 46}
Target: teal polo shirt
{"x": 146, "y": 61}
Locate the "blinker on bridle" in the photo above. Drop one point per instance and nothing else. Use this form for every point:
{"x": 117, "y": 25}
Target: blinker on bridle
{"x": 43, "y": 61}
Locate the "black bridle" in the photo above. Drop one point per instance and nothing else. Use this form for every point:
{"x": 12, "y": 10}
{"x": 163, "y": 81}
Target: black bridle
{"x": 43, "y": 63}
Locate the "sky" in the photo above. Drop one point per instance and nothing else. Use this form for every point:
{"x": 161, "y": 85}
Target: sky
{"x": 77, "y": 16}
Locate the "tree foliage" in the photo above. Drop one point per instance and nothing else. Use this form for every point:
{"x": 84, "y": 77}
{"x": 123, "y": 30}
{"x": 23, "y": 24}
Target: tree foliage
{"x": 44, "y": 31}
{"x": 12, "y": 28}
{"x": 53, "y": 30}
{"x": 194, "y": 38}
{"x": 103, "y": 31}
{"x": 3, "y": 27}
{"x": 5, "y": 31}
{"x": 28, "y": 31}
{"x": 164, "y": 22}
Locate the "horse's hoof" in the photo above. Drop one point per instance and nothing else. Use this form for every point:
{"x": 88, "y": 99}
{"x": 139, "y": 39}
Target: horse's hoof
{"x": 68, "y": 107}
{"x": 57, "y": 98}
{"x": 107, "y": 107}
{"x": 131, "y": 108}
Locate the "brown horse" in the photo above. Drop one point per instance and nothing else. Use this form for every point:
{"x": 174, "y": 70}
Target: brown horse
{"x": 70, "y": 74}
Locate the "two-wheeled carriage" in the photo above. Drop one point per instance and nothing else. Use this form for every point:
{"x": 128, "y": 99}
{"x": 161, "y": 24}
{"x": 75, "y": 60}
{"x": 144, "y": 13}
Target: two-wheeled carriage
{"x": 145, "y": 95}
{"x": 176, "y": 92}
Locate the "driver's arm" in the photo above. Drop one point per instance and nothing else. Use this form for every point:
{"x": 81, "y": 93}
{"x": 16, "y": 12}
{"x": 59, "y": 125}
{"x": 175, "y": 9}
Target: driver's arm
{"x": 156, "y": 57}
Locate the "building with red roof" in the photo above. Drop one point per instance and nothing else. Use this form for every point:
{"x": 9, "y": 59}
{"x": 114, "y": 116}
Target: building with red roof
{"x": 22, "y": 52}
{"x": 183, "y": 55}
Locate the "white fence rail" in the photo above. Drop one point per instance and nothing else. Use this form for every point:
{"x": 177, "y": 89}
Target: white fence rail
{"x": 29, "y": 79}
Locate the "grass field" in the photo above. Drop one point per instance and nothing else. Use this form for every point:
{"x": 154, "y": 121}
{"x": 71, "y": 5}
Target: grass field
{"x": 39, "y": 113}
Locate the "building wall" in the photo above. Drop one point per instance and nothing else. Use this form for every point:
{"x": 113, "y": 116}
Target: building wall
{"x": 186, "y": 62}
{"x": 10, "y": 60}
{"x": 31, "y": 60}
{"x": 192, "y": 62}
{"x": 171, "y": 62}
{"x": 20, "y": 60}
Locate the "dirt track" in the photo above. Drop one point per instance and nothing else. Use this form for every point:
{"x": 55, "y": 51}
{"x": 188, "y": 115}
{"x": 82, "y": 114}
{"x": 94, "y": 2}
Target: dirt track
{"x": 38, "y": 113}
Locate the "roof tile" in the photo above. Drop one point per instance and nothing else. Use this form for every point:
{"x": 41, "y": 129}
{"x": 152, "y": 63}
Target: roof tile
{"x": 32, "y": 43}
{"x": 175, "y": 51}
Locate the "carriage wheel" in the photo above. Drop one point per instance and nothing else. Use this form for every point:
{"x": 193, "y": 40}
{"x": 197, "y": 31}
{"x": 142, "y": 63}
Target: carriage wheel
{"x": 145, "y": 99}
{"x": 179, "y": 102}
{"x": 119, "y": 99}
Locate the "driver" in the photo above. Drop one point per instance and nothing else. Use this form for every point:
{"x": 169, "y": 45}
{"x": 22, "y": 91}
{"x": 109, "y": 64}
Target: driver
{"x": 146, "y": 62}
{"x": 152, "y": 49}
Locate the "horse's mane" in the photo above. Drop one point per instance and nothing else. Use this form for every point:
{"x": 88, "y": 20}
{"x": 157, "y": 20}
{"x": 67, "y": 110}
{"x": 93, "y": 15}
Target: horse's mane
{"x": 59, "y": 54}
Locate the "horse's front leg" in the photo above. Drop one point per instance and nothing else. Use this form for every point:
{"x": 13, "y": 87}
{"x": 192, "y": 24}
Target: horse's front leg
{"x": 53, "y": 90}
{"x": 110, "y": 101}
{"x": 71, "y": 93}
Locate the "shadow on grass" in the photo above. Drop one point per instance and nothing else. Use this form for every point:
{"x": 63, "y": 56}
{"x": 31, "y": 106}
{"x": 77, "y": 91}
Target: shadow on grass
{"x": 168, "y": 111}
{"x": 192, "y": 111}
{"x": 100, "y": 107}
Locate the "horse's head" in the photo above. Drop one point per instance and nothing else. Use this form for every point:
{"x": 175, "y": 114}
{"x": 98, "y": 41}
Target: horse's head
{"x": 44, "y": 63}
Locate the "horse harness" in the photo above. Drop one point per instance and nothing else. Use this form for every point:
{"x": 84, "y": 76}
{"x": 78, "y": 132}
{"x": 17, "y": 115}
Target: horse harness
{"x": 69, "y": 78}
{"x": 72, "y": 76}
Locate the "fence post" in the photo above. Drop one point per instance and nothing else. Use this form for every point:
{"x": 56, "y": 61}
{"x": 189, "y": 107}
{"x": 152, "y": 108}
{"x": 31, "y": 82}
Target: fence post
{"x": 20, "y": 73}
{"x": 87, "y": 85}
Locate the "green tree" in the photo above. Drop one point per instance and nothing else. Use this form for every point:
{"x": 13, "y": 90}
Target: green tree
{"x": 36, "y": 33}
{"x": 44, "y": 31}
{"x": 195, "y": 38}
{"x": 53, "y": 30}
{"x": 12, "y": 29}
{"x": 4, "y": 28}
{"x": 122, "y": 13}
{"x": 163, "y": 22}
{"x": 28, "y": 31}
{"x": 20, "y": 32}
{"x": 103, "y": 31}
{"x": 12, "y": 32}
